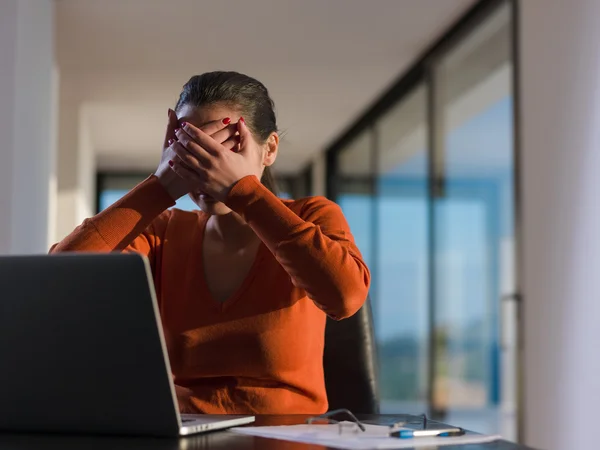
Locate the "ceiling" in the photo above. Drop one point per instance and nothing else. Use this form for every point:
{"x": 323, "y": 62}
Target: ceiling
{"x": 324, "y": 62}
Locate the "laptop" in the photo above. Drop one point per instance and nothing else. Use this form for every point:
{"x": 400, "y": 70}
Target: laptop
{"x": 82, "y": 349}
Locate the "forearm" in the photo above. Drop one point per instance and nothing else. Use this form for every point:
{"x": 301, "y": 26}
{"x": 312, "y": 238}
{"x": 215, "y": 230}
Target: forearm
{"x": 331, "y": 272}
{"x": 120, "y": 224}
{"x": 327, "y": 265}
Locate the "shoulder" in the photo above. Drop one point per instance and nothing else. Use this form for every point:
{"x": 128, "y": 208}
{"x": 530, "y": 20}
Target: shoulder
{"x": 311, "y": 205}
{"x": 316, "y": 209}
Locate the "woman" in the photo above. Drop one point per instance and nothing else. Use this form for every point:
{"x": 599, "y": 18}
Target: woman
{"x": 245, "y": 284}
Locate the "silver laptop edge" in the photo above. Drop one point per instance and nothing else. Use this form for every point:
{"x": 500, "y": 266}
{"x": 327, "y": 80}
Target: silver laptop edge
{"x": 161, "y": 335}
{"x": 214, "y": 423}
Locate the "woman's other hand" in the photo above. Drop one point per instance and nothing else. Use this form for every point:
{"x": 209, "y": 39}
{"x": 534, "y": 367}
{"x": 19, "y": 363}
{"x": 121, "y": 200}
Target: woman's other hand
{"x": 221, "y": 130}
{"x": 212, "y": 166}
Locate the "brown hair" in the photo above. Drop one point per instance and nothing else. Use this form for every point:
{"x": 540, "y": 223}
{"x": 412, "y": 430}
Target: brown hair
{"x": 240, "y": 92}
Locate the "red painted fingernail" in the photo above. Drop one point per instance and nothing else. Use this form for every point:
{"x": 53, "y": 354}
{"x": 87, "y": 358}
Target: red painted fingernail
{"x": 171, "y": 163}
{"x": 183, "y": 124}
{"x": 242, "y": 120}
{"x": 226, "y": 120}
{"x": 171, "y": 141}
{"x": 177, "y": 130}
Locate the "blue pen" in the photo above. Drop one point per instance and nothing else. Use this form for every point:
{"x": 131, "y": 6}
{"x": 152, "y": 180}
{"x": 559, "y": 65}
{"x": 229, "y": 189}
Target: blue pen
{"x": 443, "y": 432}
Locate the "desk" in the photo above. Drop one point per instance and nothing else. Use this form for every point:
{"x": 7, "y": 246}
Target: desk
{"x": 221, "y": 440}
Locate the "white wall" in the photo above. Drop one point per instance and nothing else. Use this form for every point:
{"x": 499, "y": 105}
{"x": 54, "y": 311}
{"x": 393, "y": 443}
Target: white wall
{"x": 53, "y": 186}
{"x": 560, "y": 93}
{"x": 8, "y": 48}
{"x": 38, "y": 112}
{"x": 86, "y": 169}
{"x": 26, "y": 119}
{"x": 76, "y": 163}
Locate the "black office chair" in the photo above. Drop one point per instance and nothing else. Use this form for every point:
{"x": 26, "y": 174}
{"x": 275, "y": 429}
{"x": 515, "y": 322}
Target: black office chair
{"x": 350, "y": 363}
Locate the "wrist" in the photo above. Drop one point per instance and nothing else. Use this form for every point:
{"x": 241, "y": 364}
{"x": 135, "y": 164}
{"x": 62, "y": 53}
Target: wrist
{"x": 243, "y": 192}
{"x": 223, "y": 194}
{"x": 171, "y": 183}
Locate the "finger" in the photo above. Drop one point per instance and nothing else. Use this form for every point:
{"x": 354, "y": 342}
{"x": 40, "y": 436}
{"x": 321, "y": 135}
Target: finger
{"x": 171, "y": 155}
{"x": 215, "y": 126}
{"x": 172, "y": 124}
{"x": 195, "y": 139}
{"x": 245, "y": 134}
{"x": 225, "y": 133}
{"x": 210, "y": 128}
{"x": 192, "y": 146}
{"x": 197, "y": 162}
{"x": 183, "y": 171}
{"x": 233, "y": 143}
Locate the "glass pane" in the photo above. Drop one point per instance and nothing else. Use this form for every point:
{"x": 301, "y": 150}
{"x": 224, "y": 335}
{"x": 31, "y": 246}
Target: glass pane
{"x": 109, "y": 196}
{"x": 284, "y": 188}
{"x": 400, "y": 286}
{"x": 358, "y": 209}
{"x": 295, "y": 186}
{"x": 473, "y": 225}
{"x": 114, "y": 186}
{"x": 355, "y": 191}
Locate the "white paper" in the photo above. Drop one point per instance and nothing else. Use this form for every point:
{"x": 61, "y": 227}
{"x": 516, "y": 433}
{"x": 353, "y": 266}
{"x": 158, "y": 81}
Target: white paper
{"x": 375, "y": 437}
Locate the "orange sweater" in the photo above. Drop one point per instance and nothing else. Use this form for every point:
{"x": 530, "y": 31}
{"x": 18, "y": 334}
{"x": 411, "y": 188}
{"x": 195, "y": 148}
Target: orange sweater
{"x": 261, "y": 351}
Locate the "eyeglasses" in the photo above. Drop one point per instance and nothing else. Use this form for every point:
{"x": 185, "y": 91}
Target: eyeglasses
{"x": 343, "y": 427}
{"x": 356, "y": 426}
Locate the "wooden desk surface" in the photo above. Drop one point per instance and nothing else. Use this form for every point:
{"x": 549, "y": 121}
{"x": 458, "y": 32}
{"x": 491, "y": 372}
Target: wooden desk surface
{"x": 217, "y": 440}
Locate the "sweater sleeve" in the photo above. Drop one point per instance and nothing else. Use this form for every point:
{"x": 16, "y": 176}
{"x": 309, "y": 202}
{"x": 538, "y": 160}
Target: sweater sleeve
{"x": 136, "y": 222}
{"x": 315, "y": 246}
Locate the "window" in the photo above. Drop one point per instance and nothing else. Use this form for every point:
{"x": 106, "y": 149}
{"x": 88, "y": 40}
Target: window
{"x": 426, "y": 180}
{"x": 473, "y": 222}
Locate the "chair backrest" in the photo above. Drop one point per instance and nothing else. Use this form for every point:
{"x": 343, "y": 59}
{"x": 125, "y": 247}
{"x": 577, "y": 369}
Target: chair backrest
{"x": 350, "y": 363}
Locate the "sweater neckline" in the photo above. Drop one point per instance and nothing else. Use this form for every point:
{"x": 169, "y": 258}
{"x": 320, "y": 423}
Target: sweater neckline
{"x": 241, "y": 289}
